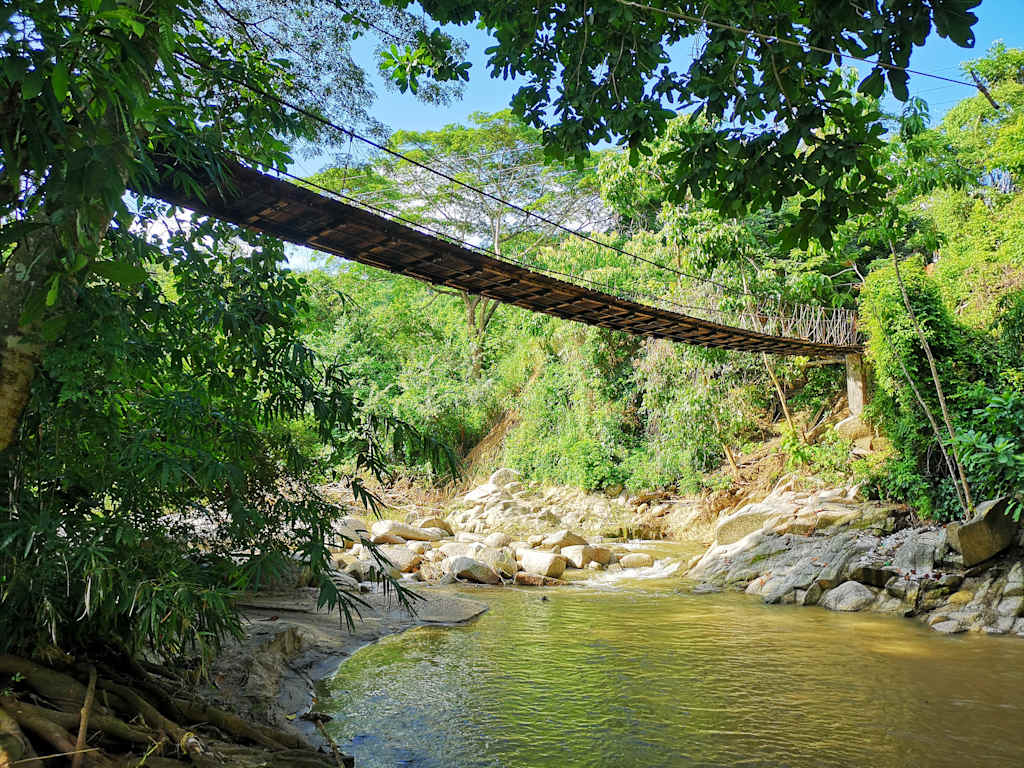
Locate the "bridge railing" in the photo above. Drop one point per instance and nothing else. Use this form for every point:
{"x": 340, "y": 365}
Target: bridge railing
{"x": 758, "y": 314}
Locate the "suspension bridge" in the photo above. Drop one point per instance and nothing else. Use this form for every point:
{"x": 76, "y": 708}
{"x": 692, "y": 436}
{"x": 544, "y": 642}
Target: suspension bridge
{"x": 365, "y": 233}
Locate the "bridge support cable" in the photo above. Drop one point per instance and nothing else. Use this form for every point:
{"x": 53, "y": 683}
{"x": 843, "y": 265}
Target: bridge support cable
{"x": 300, "y": 215}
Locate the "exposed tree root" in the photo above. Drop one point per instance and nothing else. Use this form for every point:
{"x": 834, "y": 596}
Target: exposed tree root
{"x": 14, "y": 746}
{"x": 135, "y": 716}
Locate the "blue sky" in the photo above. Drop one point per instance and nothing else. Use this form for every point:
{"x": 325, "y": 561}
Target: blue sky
{"x": 997, "y": 19}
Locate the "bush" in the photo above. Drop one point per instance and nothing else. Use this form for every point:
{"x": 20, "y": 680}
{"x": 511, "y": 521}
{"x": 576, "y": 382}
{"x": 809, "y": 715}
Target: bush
{"x": 155, "y": 474}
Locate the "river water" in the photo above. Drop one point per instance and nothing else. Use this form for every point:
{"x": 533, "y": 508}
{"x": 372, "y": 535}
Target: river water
{"x": 640, "y": 673}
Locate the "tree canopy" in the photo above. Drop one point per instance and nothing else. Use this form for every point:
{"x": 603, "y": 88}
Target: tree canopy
{"x": 776, "y": 118}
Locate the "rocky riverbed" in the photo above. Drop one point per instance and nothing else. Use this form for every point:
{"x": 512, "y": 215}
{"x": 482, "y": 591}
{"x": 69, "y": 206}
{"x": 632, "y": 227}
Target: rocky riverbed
{"x": 498, "y": 533}
{"x": 828, "y": 549}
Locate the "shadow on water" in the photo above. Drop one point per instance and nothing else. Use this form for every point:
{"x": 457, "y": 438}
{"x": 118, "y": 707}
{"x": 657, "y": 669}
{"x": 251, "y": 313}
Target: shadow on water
{"x": 646, "y": 674}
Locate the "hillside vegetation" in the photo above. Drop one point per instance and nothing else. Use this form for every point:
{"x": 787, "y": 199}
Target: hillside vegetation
{"x": 594, "y": 408}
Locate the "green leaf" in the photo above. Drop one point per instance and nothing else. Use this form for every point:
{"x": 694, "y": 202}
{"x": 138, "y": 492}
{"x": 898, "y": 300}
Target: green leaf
{"x": 59, "y": 81}
{"x": 54, "y": 292}
{"x": 120, "y": 272}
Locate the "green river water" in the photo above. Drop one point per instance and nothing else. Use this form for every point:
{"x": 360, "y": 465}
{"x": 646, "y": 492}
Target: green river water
{"x": 639, "y": 672}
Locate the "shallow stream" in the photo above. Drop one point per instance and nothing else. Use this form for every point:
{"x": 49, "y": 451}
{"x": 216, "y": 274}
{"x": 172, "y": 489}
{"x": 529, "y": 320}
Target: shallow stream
{"x": 638, "y": 672}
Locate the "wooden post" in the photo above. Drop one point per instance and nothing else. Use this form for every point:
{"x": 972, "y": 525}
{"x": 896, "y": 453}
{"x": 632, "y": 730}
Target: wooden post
{"x": 856, "y": 384}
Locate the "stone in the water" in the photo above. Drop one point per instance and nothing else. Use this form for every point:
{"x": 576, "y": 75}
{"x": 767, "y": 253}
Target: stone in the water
{"x": 525, "y": 579}
{"x": 578, "y": 555}
{"x": 601, "y": 555}
{"x": 948, "y": 627}
{"x": 501, "y": 561}
{"x": 466, "y": 537}
{"x": 468, "y": 569}
{"x": 636, "y": 560}
{"x": 536, "y": 540}
{"x": 563, "y": 538}
{"x": 419, "y": 547}
{"x": 848, "y": 596}
{"x": 543, "y": 563}
{"x": 497, "y": 540}
{"x": 987, "y": 534}
{"x": 406, "y": 531}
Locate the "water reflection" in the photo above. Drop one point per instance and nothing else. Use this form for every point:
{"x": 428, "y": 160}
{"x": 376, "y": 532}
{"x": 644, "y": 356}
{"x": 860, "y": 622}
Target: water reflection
{"x": 647, "y": 676}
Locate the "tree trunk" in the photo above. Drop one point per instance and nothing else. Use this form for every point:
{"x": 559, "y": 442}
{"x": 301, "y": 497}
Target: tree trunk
{"x": 23, "y": 276}
{"x": 35, "y": 260}
{"x": 479, "y": 311}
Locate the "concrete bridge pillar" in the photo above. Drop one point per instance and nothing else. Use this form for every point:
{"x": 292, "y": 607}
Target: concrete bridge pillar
{"x": 856, "y": 384}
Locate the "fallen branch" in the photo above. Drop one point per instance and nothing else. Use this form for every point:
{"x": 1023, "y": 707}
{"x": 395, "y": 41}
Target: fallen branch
{"x": 83, "y": 725}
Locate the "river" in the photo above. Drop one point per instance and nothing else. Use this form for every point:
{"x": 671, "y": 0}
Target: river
{"x": 639, "y": 672}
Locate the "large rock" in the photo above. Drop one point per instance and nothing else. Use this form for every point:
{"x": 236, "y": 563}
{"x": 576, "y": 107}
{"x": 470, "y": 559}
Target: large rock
{"x": 872, "y": 574}
{"x": 601, "y": 555}
{"x": 543, "y": 563}
{"x": 1014, "y": 581}
{"x": 563, "y": 538}
{"x": 403, "y": 558}
{"x": 920, "y": 551}
{"x": 352, "y": 529}
{"x": 406, "y": 531}
{"x": 482, "y": 493}
{"x": 747, "y": 519}
{"x": 852, "y": 428}
{"x": 436, "y": 522}
{"x": 578, "y": 555}
{"x": 497, "y": 540}
{"x": 468, "y": 569}
{"x": 636, "y": 560}
{"x": 387, "y": 538}
{"x": 848, "y": 596}
{"x": 459, "y": 549}
{"x": 987, "y": 534}
{"x": 502, "y": 477}
{"x": 501, "y": 560}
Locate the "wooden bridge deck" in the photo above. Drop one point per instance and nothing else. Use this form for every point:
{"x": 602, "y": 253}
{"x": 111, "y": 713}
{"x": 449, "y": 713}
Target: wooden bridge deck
{"x": 299, "y": 215}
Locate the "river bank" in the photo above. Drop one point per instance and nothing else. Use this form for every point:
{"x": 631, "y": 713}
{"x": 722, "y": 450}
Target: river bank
{"x": 269, "y": 674}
